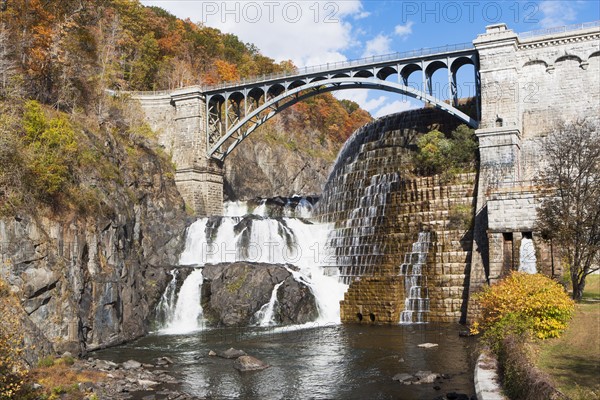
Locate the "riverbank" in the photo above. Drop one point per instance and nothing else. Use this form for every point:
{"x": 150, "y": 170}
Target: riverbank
{"x": 573, "y": 360}
{"x": 93, "y": 379}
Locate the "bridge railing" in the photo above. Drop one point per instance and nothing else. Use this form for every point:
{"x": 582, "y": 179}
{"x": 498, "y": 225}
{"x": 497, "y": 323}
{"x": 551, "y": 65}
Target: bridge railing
{"x": 345, "y": 64}
{"x": 560, "y": 29}
{"x": 322, "y": 67}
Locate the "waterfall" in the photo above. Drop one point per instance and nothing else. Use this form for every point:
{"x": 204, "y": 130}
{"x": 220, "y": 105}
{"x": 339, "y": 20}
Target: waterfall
{"x": 254, "y": 238}
{"x": 187, "y": 314}
{"x": 358, "y": 253}
{"x": 304, "y": 209}
{"x": 261, "y": 210}
{"x": 527, "y": 259}
{"x": 235, "y": 208}
{"x": 167, "y": 302}
{"x": 368, "y": 189}
{"x": 416, "y": 303}
{"x": 265, "y": 316}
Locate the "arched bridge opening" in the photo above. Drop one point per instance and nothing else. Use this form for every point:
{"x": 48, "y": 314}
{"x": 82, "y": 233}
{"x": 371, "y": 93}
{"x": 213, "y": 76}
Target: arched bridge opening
{"x": 234, "y": 111}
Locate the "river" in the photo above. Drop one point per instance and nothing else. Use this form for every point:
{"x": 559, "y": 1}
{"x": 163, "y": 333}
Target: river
{"x": 329, "y": 362}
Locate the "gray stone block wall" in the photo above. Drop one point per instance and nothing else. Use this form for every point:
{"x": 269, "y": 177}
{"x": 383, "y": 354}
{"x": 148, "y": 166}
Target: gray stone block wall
{"x": 179, "y": 118}
{"x": 527, "y": 86}
{"x": 513, "y": 210}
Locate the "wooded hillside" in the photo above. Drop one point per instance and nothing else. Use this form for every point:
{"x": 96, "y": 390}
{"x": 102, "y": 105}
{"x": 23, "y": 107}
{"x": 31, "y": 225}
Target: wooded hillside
{"x": 66, "y": 54}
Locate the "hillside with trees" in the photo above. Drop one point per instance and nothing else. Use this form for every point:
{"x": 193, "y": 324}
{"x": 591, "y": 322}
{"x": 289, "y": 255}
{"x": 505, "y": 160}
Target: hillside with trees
{"x": 67, "y": 54}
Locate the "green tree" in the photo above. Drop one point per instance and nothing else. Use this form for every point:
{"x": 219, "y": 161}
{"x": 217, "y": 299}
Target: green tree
{"x": 434, "y": 152}
{"x": 439, "y": 154}
{"x": 570, "y": 215}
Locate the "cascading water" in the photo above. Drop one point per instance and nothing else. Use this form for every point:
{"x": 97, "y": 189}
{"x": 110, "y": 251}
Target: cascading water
{"x": 363, "y": 192}
{"x": 527, "y": 259}
{"x": 253, "y": 238}
{"x": 186, "y": 316}
{"x": 416, "y": 303}
{"x": 359, "y": 255}
{"x": 168, "y": 300}
{"x": 264, "y": 316}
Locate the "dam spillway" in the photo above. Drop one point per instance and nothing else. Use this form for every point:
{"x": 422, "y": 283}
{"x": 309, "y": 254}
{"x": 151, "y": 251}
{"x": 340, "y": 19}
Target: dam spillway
{"x": 379, "y": 207}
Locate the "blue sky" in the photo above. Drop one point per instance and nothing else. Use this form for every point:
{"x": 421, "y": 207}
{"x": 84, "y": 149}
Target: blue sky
{"x": 312, "y": 32}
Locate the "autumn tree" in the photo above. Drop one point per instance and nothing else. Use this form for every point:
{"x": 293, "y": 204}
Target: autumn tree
{"x": 440, "y": 154}
{"x": 570, "y": 215}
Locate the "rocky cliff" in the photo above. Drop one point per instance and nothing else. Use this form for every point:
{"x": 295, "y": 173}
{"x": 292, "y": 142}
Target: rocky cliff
{"x": 88, "y": 280}
{"x": 293, "y": 153}
{"x": 261, "y": 170}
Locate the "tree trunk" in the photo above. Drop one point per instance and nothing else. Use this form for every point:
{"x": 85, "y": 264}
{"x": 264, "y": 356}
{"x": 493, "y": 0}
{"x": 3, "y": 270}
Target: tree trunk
{"x": 578, "y": 287}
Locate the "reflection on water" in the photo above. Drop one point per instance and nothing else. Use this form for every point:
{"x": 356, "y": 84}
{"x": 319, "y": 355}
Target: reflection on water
{"x": 331, "y": 362}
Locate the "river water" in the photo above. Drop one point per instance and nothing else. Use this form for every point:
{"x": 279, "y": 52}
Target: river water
{"x": 329, "y": 362}
{"x": 320, "y": 360}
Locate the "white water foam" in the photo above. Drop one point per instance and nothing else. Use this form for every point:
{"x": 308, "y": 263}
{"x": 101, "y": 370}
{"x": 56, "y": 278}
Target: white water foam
{"x": 265, "y": 316}
{"x": 286, "y": 241}
{"x": 527, "y": 259}
{"x": 187, "y": 314}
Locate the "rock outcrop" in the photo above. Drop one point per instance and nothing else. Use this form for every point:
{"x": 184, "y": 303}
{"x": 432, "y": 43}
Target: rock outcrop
{"x": 249, "y": 363}
{"x": 265, "y": 170}
{"x": 233, "y": 293}
{"x": 91, "y": 281}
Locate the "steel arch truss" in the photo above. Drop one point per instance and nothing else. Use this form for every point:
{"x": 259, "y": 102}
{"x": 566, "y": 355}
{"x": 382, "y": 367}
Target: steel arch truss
{"x": 234, "y": 112}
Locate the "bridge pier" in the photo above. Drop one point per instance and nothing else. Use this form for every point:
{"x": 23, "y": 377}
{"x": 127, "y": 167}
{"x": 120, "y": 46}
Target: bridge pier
{"x": 179, "y": 117}
{"x": 201, "y": 189}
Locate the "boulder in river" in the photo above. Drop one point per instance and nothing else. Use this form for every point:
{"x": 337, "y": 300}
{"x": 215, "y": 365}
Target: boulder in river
{"x": 231, "y": 353}
{"x": 249, "y": 363}
{"x": 416, "y": 379}
{"x": 233, "y": 293}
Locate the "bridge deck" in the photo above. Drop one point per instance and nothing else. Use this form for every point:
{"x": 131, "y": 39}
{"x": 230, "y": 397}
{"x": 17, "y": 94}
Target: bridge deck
{"x": 406, "y": 57}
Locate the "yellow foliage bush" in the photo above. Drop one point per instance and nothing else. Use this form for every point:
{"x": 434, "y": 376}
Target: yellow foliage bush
{"x": 12, "y": 368}
{"x": 50, "y": 148}
{"x": 524, "y": 302}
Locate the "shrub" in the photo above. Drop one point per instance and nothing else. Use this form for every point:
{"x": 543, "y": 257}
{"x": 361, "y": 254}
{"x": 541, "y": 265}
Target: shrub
{"x": 46, "y": 362}
{"x": 434, "y": 152}
{"x": 439, "y": 154}
{"x": 50, "y": 148}
{"x": 524, "y": 302}
{"x": 521, "y": 378}
{"x": 464, "y": 148}
{"x": 460, "y": 216}
{"x": 12, "y": 368}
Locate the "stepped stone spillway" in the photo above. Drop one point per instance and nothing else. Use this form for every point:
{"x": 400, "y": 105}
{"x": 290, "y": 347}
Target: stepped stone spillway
{"x": 379, "y": 209}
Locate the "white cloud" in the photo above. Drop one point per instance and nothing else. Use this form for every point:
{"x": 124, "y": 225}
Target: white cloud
{"x": 362, "y": 15}
{"x": 361, "y": 96}
{"x": 380, "y": 44}
{"x": 404, "y": 30}
{"x": 395, "y": 107}
{"x": 307, "y": 32}
{"x": 557, "y": 12}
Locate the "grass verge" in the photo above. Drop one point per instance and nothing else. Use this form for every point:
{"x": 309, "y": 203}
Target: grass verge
{"x": 573, "y": 361}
